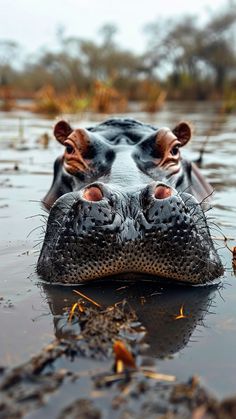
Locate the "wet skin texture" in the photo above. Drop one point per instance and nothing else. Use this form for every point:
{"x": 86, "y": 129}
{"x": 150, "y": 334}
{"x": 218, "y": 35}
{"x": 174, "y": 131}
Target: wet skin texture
{"x": 124, "y": 201}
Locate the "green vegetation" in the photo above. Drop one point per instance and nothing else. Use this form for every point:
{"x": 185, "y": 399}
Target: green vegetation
{"x": 185, "y": 59}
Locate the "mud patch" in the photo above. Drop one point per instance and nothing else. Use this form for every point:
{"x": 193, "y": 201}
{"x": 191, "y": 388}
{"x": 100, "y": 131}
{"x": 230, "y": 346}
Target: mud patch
{"x": 101, "y": 392}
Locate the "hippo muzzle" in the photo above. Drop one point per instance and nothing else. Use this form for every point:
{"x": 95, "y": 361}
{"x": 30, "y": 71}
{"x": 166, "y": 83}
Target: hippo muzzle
{"x": 102, "y": 230}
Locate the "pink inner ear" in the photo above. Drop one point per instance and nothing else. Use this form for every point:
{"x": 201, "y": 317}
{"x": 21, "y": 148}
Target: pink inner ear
{"x": 61, "y": 131}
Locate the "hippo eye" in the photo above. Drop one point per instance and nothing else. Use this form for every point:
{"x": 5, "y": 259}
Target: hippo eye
{"x": 175, "y": 150}
{"x": 69, "y": 149}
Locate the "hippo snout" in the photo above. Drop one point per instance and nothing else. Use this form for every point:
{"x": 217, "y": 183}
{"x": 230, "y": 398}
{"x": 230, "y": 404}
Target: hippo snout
{"x": 102, "y": 231}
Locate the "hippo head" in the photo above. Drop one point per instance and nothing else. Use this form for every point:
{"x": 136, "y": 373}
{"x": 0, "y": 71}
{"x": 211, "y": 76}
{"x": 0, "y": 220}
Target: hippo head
{"x": 126, "y": 211}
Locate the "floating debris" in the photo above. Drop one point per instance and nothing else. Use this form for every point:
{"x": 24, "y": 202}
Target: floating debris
{"x": 87, "y": 298}
{"x": 181, "y": 314}
{"x": 234, "y": 259}
{"x": 123, "y": 357}
{"x": 72, "y": 310}
{"x": 233, "y": 251}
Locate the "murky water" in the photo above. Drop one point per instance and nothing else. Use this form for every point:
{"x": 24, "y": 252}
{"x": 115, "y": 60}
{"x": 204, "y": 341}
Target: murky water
{"x": 190, "y": 330}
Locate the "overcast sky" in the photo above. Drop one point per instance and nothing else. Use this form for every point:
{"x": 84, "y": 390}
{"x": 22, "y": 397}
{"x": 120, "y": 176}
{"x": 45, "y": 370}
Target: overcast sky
{"x": 34, "y": 23}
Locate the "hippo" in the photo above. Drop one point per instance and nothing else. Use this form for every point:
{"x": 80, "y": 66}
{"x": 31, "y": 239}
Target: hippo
{"x": 125, "y": 204}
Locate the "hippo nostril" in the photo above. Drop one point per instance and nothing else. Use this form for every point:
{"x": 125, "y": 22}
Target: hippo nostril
{"x": 93, "y": 193}
{"x": 162, "y": 192}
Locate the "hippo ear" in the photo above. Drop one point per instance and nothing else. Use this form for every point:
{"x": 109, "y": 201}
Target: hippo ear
{"x": 62, "y": 130}
{"x": 183, "y": 132}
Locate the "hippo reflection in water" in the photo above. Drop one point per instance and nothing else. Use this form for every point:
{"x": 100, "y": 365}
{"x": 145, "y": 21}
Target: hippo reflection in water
{"x": 123, "y": 201}
{"x": 157, "y": 309}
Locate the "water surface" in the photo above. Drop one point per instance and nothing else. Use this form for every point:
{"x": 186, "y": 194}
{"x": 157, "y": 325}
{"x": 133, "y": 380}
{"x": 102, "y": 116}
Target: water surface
{"x": 203, "y": 340}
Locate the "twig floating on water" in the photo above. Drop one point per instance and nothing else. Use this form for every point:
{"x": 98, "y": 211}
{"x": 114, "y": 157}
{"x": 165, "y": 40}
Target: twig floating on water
{"x": 87, "y": 298}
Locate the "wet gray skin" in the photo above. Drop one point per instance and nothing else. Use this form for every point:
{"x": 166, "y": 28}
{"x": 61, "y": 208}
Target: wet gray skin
{"x": 128, "y": 213}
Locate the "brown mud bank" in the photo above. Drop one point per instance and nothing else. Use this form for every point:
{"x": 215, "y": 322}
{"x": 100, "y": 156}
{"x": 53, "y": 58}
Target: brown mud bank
{"x": 99, "y": 368}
